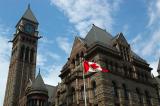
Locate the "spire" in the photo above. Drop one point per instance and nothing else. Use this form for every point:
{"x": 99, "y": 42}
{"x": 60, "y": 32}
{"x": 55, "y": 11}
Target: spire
{"x": 29, "y": 15}
{"x": 39, "y": 71}
{"x": 158, "y": 68}
{"x": 38, "y": 83}
{"x": 29, "y": 5}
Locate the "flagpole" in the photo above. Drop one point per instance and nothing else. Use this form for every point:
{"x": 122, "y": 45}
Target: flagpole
{"x": 85, "y": 98}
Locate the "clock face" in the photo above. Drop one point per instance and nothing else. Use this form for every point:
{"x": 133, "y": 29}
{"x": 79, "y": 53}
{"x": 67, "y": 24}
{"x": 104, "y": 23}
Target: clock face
{"x": 29, "y": 28}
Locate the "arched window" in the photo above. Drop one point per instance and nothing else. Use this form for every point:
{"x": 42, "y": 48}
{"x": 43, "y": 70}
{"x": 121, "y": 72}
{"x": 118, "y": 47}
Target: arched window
{"x": 94, "y": 88}
{"x": 27, "y": 54}
{"x": 115, "y": 91}
{"x": 22, "y": 52}
{"x": 146, "y": 77}
{"x": 148, "y": 99}
{"x": 139, "y": 95}
{"x": 82, "y": 54}
{"x": 73, "y": 95}
{"x": 125, "y": 91}
{"x": 82, "y": 92}
{"x": 77, "y": 60}
{"x": 58, "y": 97}
{"x": 32, "y": 55}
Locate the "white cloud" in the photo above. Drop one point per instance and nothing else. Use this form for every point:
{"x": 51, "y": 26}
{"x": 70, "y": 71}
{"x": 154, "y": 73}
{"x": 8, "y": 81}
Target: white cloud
{"x": 154, "y": 12}
{"x": 4, "y": 60}
{"x": 84, "y": 13}
{"x": 136, "y": 39}
{"x": 151, "y": 46}
{"x": 154, "y": 65}
{"x": 41, "y": 59}
{"x": 64, "y": 44}
{"x": 54, "y": 56}
{"x": 52, "y": 76}
{"x": 148, "y": 43}
{"x": 125, "y": 29}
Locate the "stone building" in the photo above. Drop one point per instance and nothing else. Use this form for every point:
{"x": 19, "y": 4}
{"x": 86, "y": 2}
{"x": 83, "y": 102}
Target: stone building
{"x": 128, "y": 84}
{"x": 157, "y": 83}
{"x": 22, "y": 88}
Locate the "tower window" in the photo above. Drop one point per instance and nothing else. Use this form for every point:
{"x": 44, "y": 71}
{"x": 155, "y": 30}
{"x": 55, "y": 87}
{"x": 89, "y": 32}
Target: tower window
{"x": 32, "y": 55}
{"x": 22, "y": 52}
{"x": 27, "y": 54}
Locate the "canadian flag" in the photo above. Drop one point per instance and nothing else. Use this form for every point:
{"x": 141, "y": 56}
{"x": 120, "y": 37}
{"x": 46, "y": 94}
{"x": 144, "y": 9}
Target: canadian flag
{"x": 93, "y": 67}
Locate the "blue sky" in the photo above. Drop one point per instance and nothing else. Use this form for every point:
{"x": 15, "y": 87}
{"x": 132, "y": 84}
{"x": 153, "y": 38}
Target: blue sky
{"x": 62, "y": 20}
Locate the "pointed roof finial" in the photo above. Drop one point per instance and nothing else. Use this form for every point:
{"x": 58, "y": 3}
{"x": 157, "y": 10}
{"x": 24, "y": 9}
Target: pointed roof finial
{"x": 29, "y": 6}
{"x": 39, "y": 71}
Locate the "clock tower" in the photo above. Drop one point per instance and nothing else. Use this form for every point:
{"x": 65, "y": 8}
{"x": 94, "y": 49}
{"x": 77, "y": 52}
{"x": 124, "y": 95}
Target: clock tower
{"x": 22, "y": 66}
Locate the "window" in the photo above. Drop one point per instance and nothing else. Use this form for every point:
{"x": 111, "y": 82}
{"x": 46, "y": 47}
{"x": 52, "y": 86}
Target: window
{"x": 73, "y": 95}
{"x": 77, "y": 60}
{"x": 125, "y": 91}
{"x": 32, "y": 55}
{"x": 94, "y": 88}
{"x": 148, "y": 99}
{"x": 146, "y": 77}
{"x": 29, "y": 28}
{"x": 58, "y": 97}
{"x": 22, "y": 52}
{"x": 82, "y": 92}
{"x": 115, "y": 91}
{"x": 27, "y": 54}
{"x": 139, "y": 95}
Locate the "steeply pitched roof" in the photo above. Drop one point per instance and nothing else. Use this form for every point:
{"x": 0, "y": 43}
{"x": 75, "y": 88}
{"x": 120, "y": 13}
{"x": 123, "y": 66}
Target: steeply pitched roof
{"x": 38, "y": 84}
{"x": 97, "y": 34}
{"x": 158, "y": 68}
{"x": 29, "y": 15}
{"x": 135, "y": 56}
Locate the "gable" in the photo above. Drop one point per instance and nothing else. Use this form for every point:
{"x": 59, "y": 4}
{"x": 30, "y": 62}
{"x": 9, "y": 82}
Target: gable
{"x": 77, "y": 46}
{"x": 122, "y": 39}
